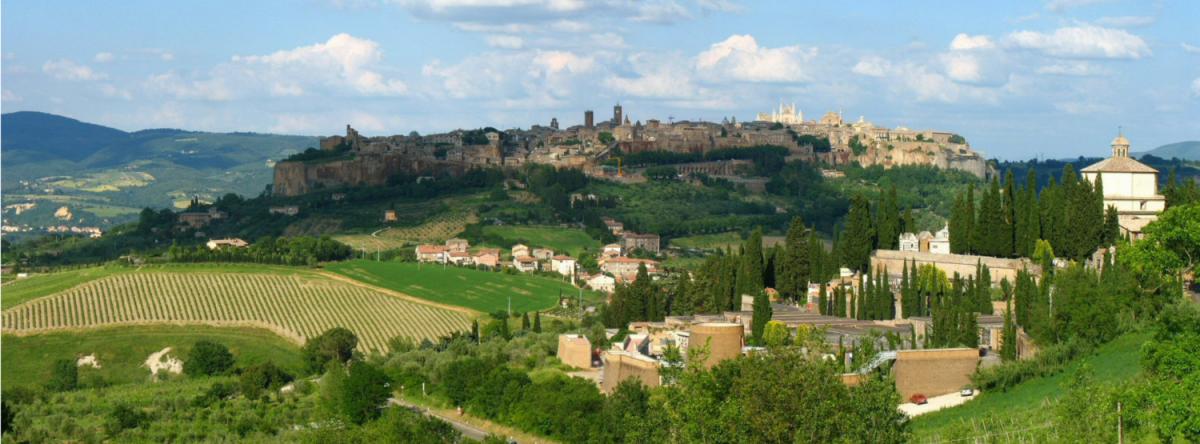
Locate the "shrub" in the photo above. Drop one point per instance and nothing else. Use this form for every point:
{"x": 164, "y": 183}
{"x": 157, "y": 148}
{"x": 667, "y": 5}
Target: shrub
{"x": 336, "y": 344}
{"x": 1048, "y": 361}
{"x": 265, "y": 376}
{"x": 208, "y": 358}
{"x": 64, "y": 376}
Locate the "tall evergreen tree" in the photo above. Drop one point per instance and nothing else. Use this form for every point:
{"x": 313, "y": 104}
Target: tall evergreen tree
{"x": 823, "y": 301}
{"x": 1007, "y": 227}
{"x": 888, "y": 221}
{"x": 762, "y": 315}
{"x": 537, "y": 322}
{"x": 1112, "y": 227}
{"x": 792, "y": 272}
{"x": 1008, "y": 339}
{"x": 959, "y": 234}
{"x": 750, "y": 271}
{"x": 989, "y": 225}
{"x": 857, "y": 240}
{"x": 970, "y": 219}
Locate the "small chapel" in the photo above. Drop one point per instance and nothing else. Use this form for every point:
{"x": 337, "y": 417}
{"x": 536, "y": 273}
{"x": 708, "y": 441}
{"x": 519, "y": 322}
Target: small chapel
{"x": 1129, "y": 186}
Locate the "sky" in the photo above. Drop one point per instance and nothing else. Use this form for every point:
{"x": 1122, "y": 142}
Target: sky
{"x": 1018, "y": 79}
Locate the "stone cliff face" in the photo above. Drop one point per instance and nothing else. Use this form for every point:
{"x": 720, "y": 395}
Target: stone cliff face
{"x": 365, "y": 169}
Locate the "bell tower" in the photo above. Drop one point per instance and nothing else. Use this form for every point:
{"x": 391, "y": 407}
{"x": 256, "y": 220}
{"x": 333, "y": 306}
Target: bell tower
{"x": 1120, "y": 145}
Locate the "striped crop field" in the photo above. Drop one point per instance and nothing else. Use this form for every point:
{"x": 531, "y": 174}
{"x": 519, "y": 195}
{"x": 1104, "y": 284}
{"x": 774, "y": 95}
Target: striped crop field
{"x": 295, "y": 306}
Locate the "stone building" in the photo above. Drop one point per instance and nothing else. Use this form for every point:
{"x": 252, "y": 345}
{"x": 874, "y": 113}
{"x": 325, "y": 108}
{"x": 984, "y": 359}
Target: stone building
{"x": 1129, "y": 186}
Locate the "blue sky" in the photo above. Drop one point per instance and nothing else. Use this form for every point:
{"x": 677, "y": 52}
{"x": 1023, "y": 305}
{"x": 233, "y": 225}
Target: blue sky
{"x": 1018, "y": 79}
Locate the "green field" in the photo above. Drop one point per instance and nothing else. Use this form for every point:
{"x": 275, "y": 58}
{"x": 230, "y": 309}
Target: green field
{"x": 122, "y": 351}
{"x": 1115, "y": 361}
{"x": 39, "y": 285}
{"x": 571, "y": 241}
{"x": 709, "y": 241}
{"x": 483, "y": 291}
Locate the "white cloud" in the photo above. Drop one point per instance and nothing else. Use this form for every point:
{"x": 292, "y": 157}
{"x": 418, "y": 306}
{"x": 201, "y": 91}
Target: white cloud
{"x": 1073, "y": 68}
{"x": 9, "y": 96}
{"x": 505, "y": 41}
{"x": 719, "y": 5}
{"x": 166, "y": 56}
{"x": 873, "y": 66}
{"x": 1196, "y": 87}
{"x": 662, "y": 11}
{"x": 344, "y": 64}
{"x": 1083, "y": 41}
{"x": 66, "y": 69}
{"x": 657, "y": 76}
{"x": 342, "y": 61}
{"x": 112, "y": 91}
{"x": 510, "y": 79}
{"x": 1127, "y": 21}
{"x": 558, "y": 61}
{"x": 968, "y": 42}
{"x": 1189, "y": 48}
{"x": 963, "y": 67}
{"x": 739, "y": 57}
{"x": 1083, "y": 107}
{"x": 104, "y": 57}
{"x": 1063, "y": 5}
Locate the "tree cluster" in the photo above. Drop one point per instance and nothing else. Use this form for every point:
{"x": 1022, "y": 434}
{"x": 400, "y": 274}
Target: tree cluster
{"x": 299, "y": 250}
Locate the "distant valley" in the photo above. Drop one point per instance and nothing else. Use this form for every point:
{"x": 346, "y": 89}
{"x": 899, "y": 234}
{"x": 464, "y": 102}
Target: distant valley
{"x": 62, "y": 173}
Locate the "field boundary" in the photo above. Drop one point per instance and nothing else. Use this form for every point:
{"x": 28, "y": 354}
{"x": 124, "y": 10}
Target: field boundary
{"x": 394, "y": 293}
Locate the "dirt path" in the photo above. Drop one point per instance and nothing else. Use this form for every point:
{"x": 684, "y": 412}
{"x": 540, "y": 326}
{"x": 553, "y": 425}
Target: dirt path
{"x": 470, "y": 426}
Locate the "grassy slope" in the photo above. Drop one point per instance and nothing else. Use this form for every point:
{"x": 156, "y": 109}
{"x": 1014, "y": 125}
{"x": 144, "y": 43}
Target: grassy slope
{"x": 122, "y": 350}
{"x": 1115, "y": 361}
{"x": 478, "y": 290}
{"x": 569, "y": 240}
{"x": 38, "y": 285}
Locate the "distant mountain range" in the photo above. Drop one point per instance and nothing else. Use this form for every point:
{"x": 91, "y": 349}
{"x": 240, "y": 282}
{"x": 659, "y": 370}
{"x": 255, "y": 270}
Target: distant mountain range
{"x": 104, "y": 175}
{"x": 1188, "y": 150}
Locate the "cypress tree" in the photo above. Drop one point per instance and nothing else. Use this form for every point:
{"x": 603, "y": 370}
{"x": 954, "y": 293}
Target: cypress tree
{"x": 1008, "y": 342}
{"x": 839, "y": 301}
{"x": 984, "y": 286}
{"x": 1112, "y": 227}
{"x": 822, "y": 301}
{"x": 906, "y": 296}
{"x": 1007, "y": 235}
{"x": 970, "y": 220}
{"x": 857, "y": 241}
{"x": 525, "y": 325}
{"x": 537, "y": 322}
{"x": 750, "y": 271}
{"x": 989, "y": 225}
{"x": 958, "y": 225}
{"x": 762, "y": 315}
{"x": 862, "y": 300}
{"x": 791, "y": 274}
{"x": 888, "y": 217}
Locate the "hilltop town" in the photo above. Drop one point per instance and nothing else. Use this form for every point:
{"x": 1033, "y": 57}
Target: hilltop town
{"x": 354, "y": 160}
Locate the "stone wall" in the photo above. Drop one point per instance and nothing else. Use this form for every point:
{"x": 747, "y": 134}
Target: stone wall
{"x": 364, "y": 169}
{"x": 934, "y": 372}
{"x": 963, "y": 264}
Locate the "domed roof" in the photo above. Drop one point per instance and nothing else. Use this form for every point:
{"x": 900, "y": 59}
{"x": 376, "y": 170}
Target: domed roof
{"x": 1121, "y": 140}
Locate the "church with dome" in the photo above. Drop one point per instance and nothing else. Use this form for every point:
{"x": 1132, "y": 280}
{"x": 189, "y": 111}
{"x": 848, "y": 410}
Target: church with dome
{"x": 1129, "y": 186}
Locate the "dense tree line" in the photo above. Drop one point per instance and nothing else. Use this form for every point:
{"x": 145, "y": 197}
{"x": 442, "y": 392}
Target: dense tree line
{"x": 1007, "y": 220}
{"x": 299, "y": 250}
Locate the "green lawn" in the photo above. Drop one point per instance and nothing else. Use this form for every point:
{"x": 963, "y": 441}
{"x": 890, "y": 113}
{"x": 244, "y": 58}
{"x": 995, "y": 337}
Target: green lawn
{"x": 572, "y": 241}
{"x": 123, "y": 350}
{"x": 484, "y": 291}
{"x": 1115, "y": 361}
{"x": 709, "y": 241}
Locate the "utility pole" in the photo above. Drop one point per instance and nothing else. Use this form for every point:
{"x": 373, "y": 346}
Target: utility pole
{"x": 509, "y": 306}
{"x": 1120, "y": 430}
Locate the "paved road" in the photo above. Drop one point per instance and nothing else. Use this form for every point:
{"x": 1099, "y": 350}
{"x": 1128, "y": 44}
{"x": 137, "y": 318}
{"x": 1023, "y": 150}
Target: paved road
{"x": 936, "y": 403}
{"x": 467, "y": 430}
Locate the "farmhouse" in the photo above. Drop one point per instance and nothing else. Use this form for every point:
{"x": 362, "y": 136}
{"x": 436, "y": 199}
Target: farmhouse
{"x": 564, "y": 265}
{"x": 648, "y": 242}
{"x": 624, "y": 266}
{"x": 198, "y": 219}
{"x": 457, "y": 245}
{"x": 575, "y": 350}
{"x": 611, "y": 250}
{"x": 521, "y": 250}
{"x": 389, "y": 216}
{"x": 232, "y": 242}
{"x": 487, "y": 256}
{"x": 602, "y": 282}
{"x": 525, "y": 264}
{"x": 459, "y": 258}
{"x": 614, "y": 226}
{"x": 431, "y": 253}
{"x": 542, "y": 254}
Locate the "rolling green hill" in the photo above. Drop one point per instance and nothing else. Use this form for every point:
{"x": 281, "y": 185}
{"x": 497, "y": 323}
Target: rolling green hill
{"x": 1188, "y": 150}
{"x": 484, "y": 291}
{"x": 103, "y": 176}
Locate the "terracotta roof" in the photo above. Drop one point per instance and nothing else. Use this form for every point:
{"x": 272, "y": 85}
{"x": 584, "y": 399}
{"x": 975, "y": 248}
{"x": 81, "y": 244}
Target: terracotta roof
{"x": 563, "y": 258}
{"x": 525, "y": 259}
{"x": 485, "y": 251}
{"x": 459, "y": 254}
{"x": 1118, "y": 165}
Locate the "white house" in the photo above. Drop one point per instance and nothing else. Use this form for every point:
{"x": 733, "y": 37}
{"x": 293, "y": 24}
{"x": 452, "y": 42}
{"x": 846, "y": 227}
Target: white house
{"x": 233, "y": 242}
{"x": 564, "y": 265}
{"x": 542, "y": 254}
{"x": 940, "y": 244}
{"x": 1129, "y": 186}
{"x": 908, "y": 242}
{"x": 611, "y": 250}
{"x": 520, "y": 250}
{"x": 431, "y": 253}
{"x": 601, "y": 282}
{"x": 525, "y": 264}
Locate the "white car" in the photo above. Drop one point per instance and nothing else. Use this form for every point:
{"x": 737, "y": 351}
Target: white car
{"x": 966, "y": 393}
